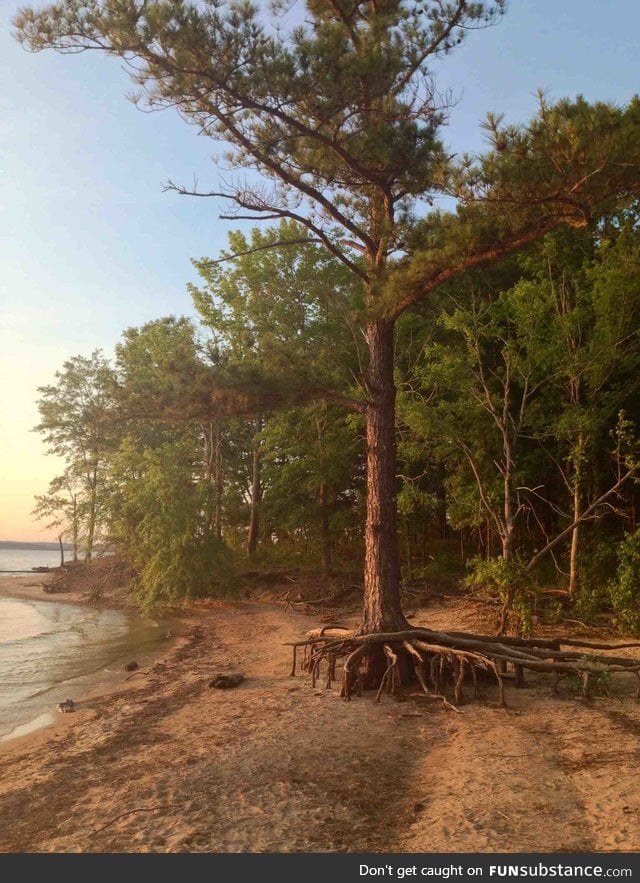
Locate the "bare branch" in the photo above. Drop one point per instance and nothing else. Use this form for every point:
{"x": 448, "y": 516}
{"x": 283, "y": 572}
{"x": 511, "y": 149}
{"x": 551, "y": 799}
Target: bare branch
{"x": 270, "y": 212}
{"x": 278, "y": 243}
{"x": 583, "y": 517}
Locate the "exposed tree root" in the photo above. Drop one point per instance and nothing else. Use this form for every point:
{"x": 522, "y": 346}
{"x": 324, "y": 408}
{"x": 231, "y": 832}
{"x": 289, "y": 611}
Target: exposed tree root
{"x": 123, "y": 815}
{"x": 444, "y": 661}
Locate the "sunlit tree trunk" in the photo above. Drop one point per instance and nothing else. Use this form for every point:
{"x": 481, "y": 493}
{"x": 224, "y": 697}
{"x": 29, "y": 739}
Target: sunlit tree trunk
{"x": 75, "y": 528}
{"x": 217, "y": 482}
{"x": 575, "y": 536}
{"x": 509, "y": 511}
{"x": 93, "y": 503}
{"x": 382, "y": 609}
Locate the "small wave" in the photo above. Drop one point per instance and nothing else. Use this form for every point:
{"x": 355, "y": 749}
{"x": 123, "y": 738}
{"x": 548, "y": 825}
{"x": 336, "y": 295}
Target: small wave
{"x": 17, "y": 641}
{"x": 64, "y": 651}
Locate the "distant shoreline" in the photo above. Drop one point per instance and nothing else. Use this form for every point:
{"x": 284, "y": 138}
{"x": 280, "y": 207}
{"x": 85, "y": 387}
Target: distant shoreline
{"x": 36, "y": 547}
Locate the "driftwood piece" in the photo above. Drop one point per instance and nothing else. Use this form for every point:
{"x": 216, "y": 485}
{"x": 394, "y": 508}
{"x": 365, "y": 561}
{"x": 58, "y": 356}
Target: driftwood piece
{"x": 225, "y": 682}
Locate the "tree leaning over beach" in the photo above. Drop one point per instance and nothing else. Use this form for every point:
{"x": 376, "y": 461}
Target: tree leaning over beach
{"x": 338, "y": 121}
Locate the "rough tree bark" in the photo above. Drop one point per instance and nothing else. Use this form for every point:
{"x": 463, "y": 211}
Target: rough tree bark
{"x": 212, "y": 460}
{"x": 382, "y": 610}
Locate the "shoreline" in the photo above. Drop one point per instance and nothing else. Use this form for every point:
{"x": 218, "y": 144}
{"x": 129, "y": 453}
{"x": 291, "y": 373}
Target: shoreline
{"x": 35, "y": 731}
{"x": 30, "y": 587}
{"x": 23, "y": 589}
{"x": 34, "y": 735}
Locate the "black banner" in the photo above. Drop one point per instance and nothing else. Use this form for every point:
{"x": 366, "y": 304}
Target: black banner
{"x": 342, "y": 868}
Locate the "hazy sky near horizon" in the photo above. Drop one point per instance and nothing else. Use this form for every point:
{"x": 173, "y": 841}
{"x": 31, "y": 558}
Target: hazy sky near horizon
{"x": 90, "y": 245}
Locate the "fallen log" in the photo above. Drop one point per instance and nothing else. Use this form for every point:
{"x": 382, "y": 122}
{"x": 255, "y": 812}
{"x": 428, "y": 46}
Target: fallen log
{"x": 328, "y": 601}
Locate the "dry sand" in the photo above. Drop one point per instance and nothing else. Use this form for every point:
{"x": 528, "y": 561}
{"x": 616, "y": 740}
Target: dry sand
{"x": 169, "y": 765}
{"x": 31, "y": 588}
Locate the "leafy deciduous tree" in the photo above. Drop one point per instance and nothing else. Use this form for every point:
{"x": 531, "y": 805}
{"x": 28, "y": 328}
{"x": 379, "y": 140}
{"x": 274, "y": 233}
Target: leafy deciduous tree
{"x": 76, "y": 424}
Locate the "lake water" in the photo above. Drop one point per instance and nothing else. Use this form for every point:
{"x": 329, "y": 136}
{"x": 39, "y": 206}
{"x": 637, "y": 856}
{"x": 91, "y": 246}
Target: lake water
{"x": 50, "y": 652}
{"x": 24, "y": 560}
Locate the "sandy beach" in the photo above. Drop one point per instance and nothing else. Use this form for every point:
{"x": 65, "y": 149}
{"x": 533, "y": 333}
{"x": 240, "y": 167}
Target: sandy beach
{"x": 166, "y": 764}
{"x": 31, "y": 588}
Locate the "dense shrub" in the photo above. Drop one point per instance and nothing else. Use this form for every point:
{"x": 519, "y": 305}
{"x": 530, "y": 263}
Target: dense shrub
{"x": 624, "y": 589}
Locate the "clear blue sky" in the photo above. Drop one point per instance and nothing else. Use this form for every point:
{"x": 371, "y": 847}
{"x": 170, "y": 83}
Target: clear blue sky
{"x": 89, "y": 243}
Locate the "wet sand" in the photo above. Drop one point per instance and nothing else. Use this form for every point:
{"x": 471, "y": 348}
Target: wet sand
{"x": 76, "y": 650}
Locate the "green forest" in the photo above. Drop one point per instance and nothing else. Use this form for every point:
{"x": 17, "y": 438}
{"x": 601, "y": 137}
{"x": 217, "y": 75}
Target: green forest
{"x": 239, "y": 436}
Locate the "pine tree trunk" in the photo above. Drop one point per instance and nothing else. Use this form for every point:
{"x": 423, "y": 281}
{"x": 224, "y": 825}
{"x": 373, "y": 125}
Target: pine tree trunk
{"x": 207, "y": 457}
{"x": 382, "y": 609}
{"x": 256, "y": 495}
{"x": 212, "y": 458}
